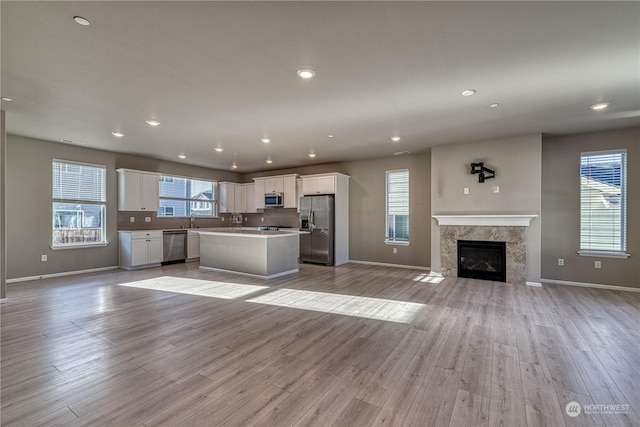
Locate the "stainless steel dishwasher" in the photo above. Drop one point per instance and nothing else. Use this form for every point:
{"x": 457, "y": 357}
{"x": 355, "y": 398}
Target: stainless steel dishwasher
{"x": 174, "y": 245}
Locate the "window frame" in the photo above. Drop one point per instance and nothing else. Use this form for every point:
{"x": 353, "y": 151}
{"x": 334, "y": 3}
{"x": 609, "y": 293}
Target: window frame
{"x": 606, "y": 252}
{"x": 102, "y": 203}
{"x": 389, "y": 240}
{"x": 188, "y": 201}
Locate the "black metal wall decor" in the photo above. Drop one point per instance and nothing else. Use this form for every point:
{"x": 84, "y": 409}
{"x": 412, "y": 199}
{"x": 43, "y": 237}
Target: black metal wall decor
{"x": 483, "y": 173}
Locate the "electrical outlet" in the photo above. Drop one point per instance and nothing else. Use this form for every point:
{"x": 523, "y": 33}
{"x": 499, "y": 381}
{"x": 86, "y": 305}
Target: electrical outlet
{"x": 43, "y": 258}
{"x": 597, "y": 264}
{"x": 147, "y": 219}
{"x": 222, "y": 218}
{"x": 261, "y": 219}
{"x": 465, "y": 190}
{"x": 132, "y": 219}
{"x": 395, "y": 250}
{"x": 561, "y": 262}
{"x": 496, "y": 189}
{"x": 246, "y": 219}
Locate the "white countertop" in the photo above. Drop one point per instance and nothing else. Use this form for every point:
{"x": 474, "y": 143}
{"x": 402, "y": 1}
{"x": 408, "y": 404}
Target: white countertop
{"x": 252, "y": 232}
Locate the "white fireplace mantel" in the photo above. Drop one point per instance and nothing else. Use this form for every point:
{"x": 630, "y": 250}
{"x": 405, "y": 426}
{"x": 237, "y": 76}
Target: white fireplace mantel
{"x": 486, "y": 220}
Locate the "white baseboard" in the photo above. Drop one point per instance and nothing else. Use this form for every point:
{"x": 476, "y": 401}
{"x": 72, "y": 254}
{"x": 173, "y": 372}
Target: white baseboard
{"x": 257, "y": 276}
{"x": 590, "y": 285}
{"x": 534, "y": 284}
{"x": 65, "y": 273}
{"x": 384, "y": 264}
{"x": 3, "y": 300}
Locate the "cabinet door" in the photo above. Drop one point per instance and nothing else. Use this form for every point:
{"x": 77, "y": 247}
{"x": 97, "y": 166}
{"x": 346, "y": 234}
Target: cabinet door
{"x": 237, "y": 198}
{"x": 193, "y": 246}
{"x": 138, "y": 252}
{"x": 227, "y": 197}
{"x": 154, "y": 250}
{"x": 150, "y": 192}
{"x": 310, "y": 186}
{"x": 249, "y": 198}
{"x": 290, "y": 192}
{"x": 274, "y": 185}
{"x": 326, "y": 185}
{"x": 129, "y": 191}
{"x": 258, "y": 192}
{"x": 299, "y": 193}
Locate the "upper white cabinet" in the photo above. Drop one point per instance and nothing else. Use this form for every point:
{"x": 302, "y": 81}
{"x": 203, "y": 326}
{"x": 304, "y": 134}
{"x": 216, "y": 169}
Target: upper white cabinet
{"x": 237, "y": 198}
{"x": 258, "y": 192}
{"x": 284, "y": 184}
{"x": 274, "y": 185}
{"x": 138, "y": 191}
{"x": 249, "y": 198}
{"x": 318, "y": 184}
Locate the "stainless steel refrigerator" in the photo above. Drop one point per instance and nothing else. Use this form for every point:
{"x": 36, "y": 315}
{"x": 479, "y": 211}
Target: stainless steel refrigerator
{"x": 317, "y": 217}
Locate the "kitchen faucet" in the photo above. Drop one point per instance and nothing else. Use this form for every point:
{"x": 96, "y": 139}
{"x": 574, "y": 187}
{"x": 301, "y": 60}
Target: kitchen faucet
{"x": 193, "y": 220}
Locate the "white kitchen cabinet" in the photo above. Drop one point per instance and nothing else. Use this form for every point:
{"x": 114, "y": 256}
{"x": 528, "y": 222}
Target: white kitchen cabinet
{"x": 290, "y": 194}
{"x": 140, "y": 249}
{"x": 299, "y": 193}
{"x": 274, "y": 185}
{"x": 248, "y": 198}
{"x": 193, "y": 246}
{"x": 258, "y": 192}
{"x": 228, "y": 197}
{"x": 318, "y": 184}
{"x": 138, "y": 191}
{"x": 237, "y": 198}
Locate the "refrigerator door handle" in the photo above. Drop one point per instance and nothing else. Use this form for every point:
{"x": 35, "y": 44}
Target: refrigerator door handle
{"x": 312, "y": 220}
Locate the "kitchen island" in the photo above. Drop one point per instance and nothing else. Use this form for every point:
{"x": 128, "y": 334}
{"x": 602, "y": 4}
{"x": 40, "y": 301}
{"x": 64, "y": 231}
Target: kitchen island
{"x": 264, "y": 254}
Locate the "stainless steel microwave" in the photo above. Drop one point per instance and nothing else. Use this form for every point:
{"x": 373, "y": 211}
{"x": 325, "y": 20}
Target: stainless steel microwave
{"x": 273, "y": 200}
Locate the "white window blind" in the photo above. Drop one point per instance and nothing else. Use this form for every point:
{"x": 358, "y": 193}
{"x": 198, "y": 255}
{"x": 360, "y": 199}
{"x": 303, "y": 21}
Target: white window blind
{"x": 603, "y": 219}
{"x": 79, "y": 203}
{"x": 397, "y": 206}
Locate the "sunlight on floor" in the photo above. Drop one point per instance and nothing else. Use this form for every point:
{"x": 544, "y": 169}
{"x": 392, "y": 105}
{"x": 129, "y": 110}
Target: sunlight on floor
{"x": 370, "y": 308}
{"x": 428, "y": 278}
{"x": 198, "y": 287}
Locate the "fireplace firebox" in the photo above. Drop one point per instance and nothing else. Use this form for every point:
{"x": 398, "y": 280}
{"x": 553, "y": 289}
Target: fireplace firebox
{"x": 482, "y": 260}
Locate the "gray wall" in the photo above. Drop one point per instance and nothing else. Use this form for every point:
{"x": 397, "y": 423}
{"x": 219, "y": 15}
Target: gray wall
{"x": 28, "y": 196}
{"x": 517, "y": 162}
{"x": 561, "y": 209}
{"x": 367, "y": 207}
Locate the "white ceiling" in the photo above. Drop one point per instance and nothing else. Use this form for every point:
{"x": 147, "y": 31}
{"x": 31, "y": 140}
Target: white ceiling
{"x": 224, "y": 73}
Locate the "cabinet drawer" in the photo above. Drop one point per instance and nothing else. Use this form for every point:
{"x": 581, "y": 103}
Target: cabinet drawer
{"x": 146, "y": 234}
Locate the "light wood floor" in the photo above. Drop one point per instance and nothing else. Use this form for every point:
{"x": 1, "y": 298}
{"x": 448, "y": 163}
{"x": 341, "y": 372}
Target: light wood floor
{"x": 87, "y": 350}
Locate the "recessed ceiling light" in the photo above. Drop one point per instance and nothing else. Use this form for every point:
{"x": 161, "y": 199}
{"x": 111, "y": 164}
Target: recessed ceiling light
{"x": 494, "y": 105}
{"x": 312, "y": 155}
{"x": 469, "y": 92}
{"x": 600, "y": 106}
{"x": 182, "y": 156}
{"x": 219, "y": 149}
{"x": 269, "y": 161}
{"x": 153, "y": 123}
{"x": 234, "y": 166}
{"x": 401, "y": 153}
{"x": 117, "y": 134}
{"x": 330, "y": 136}
{"x": 395, "y": 138}
{"x": 306, "y": 73}
{"x": 265, "y": 140}
{"x": 4, "y": 98}
{"x": 80, "y": 20}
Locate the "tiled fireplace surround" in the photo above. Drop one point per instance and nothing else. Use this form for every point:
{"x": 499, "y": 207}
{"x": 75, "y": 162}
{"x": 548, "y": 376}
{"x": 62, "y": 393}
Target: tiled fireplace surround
{"x": 511, "y": 229}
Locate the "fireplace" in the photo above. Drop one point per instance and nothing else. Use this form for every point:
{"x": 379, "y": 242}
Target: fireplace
{"x": 482, "y": 260}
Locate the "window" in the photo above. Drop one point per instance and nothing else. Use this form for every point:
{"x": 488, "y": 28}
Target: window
{"x": 180, "y": 197}
{"x": 397, "y": 208}
{"x": 603, "y": 219}
{"x": 79, "y": 204}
